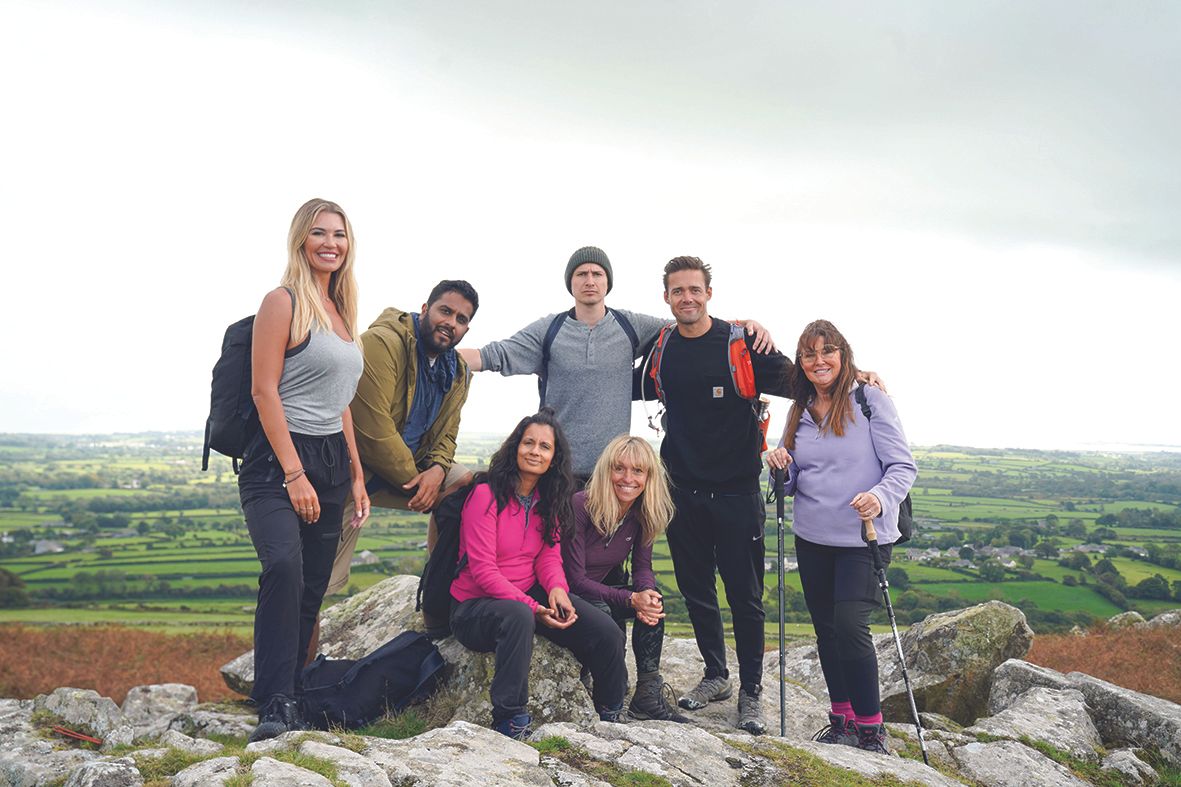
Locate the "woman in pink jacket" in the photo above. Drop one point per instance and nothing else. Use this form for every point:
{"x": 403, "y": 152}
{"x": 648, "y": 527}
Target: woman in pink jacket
{"x": 511, "y": 583}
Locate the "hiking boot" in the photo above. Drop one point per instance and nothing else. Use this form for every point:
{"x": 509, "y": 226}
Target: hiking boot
{"x": 750, "y": 715}
{"x": 274, "y": 717}
{"x": 654, "y": 700}
{"x": 872, "y": 737}
{"x": 707, "y": 691}
{"x": 839, "y": 731}
{"x": 614, "y": 715}
{"x": 516, "y": 727}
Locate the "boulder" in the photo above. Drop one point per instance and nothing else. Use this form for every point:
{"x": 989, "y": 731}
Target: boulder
{"x": 458, "y": 755}
{"x": 109, "y": 773}
{"x": 350, "y": 629}
{"x": 1168, "y": 619}
{"x": 15, "y": 721}
{"x": 150, "y": 709}
{"x": 1130, "y": 768}
{"x": 269, "y": 772}
{"x": 682, "y": 754}
{"x": 82, "y": 710}
{"x": 950, "y": 657}
{"x": 1015, "y": 677}
{"x": 204, "y": 723}
{"x": 178, "y": 740}
{"x": 1009, "y": 764}
{"x": 1130, "y": 619}
{"x": 208, "y": 772}
{"x": 875, "y": 767}
{"x": 937, "y": 721}
{"x": 555, "y": 692}
{"x": 565, "y": 776}
{"x": 351, "y": 768}
{"x": 1058, "y": 717}
{"x": 122, "y": 735}
{"x": 37, "y": 762}
{"x": 1128, "y": 717}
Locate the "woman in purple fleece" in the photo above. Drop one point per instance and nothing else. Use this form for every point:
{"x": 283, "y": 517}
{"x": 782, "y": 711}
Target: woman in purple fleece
{"x": 842, "y": 468}
{"x": 625, "y": 506}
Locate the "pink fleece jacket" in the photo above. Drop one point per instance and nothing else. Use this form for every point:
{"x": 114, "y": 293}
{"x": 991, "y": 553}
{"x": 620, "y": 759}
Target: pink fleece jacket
{"x": 505, "y": 552}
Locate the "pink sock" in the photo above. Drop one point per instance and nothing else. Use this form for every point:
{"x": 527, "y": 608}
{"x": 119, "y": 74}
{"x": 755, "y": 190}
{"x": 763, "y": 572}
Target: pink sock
{"x": 843, "y": 709}
{"x": 874, "y": 719}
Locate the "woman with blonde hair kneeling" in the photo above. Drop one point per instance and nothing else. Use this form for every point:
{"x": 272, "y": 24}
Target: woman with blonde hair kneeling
{"x": 619, "y": 515}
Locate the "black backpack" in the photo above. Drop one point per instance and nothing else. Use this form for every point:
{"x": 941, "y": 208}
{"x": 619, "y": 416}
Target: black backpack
{"x": 905, "y": 509}
{"x": 233, "y": 419}
{"x": 551, "y": 332}
{"x": 343, "y": 693}
{"x": 443, "y": 565}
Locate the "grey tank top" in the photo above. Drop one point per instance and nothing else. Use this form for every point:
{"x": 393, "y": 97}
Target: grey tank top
{"x": 319, "y": 380}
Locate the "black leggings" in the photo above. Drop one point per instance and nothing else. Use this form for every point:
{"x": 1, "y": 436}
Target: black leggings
{"x": 647, "y": 641}
{"x": 506, "y": 626}
{"x": 842, "y": 591}
{"x": 296, "y": 557}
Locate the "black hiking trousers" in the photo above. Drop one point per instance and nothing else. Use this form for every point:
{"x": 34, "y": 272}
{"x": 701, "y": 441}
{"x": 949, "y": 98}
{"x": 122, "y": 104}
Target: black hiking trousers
{"x": 296, "y": 557}
{"x": 842, "y": 592}
{"x": 507, "y": 626}
{"x": 723, "y": 533}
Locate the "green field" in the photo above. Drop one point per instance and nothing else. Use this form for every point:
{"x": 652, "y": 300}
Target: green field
{"x": 191, "y": 535}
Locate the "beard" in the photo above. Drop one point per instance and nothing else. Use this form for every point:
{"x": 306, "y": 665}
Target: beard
{"x": 431, "y": 341}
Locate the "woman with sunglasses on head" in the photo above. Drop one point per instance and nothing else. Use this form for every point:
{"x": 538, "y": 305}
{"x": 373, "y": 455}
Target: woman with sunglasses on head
{"x": 302, "y": 465}
{"x": 511, "y": 583}
{"x": 842, "y": 468}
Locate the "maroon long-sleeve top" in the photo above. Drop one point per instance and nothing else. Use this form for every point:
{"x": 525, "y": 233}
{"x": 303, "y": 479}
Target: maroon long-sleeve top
{"x": 588, "y": 557}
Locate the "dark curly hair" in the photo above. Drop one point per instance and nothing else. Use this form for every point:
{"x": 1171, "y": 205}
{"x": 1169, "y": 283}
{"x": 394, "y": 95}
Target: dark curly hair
{"x": 554, "y": 488}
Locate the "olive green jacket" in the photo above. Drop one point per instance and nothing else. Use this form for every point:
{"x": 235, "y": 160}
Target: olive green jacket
{"x": 383, "y": 399}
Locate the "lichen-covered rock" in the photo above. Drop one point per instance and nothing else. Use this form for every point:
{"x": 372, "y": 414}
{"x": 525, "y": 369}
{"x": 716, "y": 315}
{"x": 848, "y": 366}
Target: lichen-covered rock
{"x": 288, "y": 741}
{"x": 937, "y": 721}
{"x": 1130, "y": 619}
{"x": 1058, "y": 717}
{"x": 150, "y": 709}
{"x": 122, "y": 735}
{"x": 268, "y": 772}
{"x": 204, "y": 723}
{"x": 870, "y": 766}
{"x": 1168, "y": 619}
{"x": 1009, "y": 764}
{"x": 15, "y": 722}
{"x": 1015, "y": 677}
{"x": 950, "y": 657}
{"x": 682, "y": 754}
{"x": 1131, "y": 769}
{"x": 208, "y": 772}
{"x": 350, "y": 629}
{"x": 37, "y": 762}
{"x": 109, "y": 773}
{"x": 1128, "y": 717}
{"x": 351, "y": 768}
{"x": 83, "y": 710}
{"x": 458, "y": 755}
{"x": 178, "y": 740}
{"x": 565, "y": 776}
{"x": 555, "y": 692}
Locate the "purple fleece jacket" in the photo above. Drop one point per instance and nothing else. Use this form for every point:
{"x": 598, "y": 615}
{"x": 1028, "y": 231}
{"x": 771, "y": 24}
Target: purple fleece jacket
{"x": 828, "y": 471}
{"x": 588, "y": 557}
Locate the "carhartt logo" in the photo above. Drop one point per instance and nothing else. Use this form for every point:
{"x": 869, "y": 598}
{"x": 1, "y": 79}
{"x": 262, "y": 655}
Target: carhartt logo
{"x": 718, "y": 391}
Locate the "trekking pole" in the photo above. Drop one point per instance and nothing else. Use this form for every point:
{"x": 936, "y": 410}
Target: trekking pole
{"x": 777, "y": 479}
{"x": 870, "y": 536}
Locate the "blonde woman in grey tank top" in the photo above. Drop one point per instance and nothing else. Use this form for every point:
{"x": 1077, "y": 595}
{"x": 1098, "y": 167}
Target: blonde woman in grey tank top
{"x": 302, "y": 466}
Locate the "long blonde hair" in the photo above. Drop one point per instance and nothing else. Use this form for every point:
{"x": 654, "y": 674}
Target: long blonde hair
{"x": 342, "y": 287}
{"x": 654, "y": 506}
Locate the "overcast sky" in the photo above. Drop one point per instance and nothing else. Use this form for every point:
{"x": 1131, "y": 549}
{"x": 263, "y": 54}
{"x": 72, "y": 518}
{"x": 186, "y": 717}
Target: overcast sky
{"x": 984, "y": 197}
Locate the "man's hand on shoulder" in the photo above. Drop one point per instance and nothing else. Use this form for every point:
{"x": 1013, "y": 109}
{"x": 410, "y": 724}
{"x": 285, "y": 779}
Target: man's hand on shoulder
{"x": 429, "y": 482}
{"x": 871, "y": 378}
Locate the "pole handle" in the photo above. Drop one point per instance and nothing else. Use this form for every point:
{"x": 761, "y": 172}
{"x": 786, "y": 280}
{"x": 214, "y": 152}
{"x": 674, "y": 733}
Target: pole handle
{"x": 868, "y": 534}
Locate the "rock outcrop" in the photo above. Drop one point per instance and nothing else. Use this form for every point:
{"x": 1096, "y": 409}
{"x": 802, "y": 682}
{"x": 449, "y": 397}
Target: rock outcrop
{"x": 990, "y": 719}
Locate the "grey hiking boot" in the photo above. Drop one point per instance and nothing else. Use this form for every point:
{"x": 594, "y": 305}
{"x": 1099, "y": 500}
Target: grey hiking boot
{"x": 750, "y": 715}
{"x": 872, "y": 737}
{"x": 707, "y": 691}
{"x": 654, "y": 700}
{"x": 838, "y": 731}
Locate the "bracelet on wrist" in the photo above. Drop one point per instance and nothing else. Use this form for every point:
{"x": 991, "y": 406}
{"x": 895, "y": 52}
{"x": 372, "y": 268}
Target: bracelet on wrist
{"x": 294, "y": 474}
